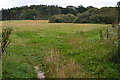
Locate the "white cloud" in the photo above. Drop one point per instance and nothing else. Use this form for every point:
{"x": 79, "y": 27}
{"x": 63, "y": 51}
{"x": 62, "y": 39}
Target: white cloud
{"x": 95, "y": 3}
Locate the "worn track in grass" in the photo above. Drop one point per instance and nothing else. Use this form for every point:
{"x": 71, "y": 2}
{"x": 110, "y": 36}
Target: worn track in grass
{"x": 59, "y": 49}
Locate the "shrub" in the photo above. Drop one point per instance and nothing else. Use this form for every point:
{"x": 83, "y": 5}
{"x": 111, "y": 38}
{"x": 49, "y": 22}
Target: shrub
{"x": 95, "y": 18}
{"x": 61, "y": 18}
{"x": 69, "y": 18}
{"x": 82, "y": 18}
{"x": 5, "y": 38}
{"x": 57, "y": 18}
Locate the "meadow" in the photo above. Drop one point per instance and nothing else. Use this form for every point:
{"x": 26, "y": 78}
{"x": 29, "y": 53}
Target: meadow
{"x": 61, "y": 50}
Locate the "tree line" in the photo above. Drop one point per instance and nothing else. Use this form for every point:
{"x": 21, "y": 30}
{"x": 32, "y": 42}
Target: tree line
{"x": 105, "y": 15}
{"x": 55, "y": 13}
{"x": 40, "y": 12}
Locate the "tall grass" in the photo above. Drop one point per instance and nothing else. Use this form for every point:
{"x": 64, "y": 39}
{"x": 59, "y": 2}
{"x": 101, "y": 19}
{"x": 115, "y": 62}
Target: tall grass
{"x": 5, "y": 38}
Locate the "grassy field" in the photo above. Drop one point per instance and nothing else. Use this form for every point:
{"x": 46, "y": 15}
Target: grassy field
{"x": 61, "y": 50}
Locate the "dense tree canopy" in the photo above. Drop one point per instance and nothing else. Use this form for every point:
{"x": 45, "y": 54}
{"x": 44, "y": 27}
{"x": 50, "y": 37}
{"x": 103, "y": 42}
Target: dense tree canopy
{"x": 118, "y": 10}
{"x": 29, "y": 15}
{"x": 39, "y": 12}
{"x": 59, "y": 14}
{"x": 94, "y": 15}
{"x": 105, "y": 15}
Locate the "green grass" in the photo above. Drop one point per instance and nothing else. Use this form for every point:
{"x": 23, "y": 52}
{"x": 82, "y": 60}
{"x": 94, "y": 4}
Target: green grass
{"x": 59, "y": 49}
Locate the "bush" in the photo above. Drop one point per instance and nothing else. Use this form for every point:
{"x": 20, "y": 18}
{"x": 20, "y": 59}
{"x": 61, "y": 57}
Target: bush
{"x": 69, "y": 18}
{"x": 57, "y": 18}
{"x": 61, "y": 18}
{"x": 85, "y": 17}
{"x": 5, "y": 38}
{"x": 95, "y": 19}
{"x": 82, "y": 18}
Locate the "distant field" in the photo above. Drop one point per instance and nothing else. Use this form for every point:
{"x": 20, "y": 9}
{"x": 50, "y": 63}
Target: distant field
{"x": 61, "y": 50}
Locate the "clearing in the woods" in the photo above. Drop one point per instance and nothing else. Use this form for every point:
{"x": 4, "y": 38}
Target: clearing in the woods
{"x": 59, "y": 50}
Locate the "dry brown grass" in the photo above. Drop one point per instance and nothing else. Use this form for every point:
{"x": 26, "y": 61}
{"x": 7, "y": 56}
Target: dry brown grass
{"x": 36, "y": 20}
{"x": 58, "y": 67}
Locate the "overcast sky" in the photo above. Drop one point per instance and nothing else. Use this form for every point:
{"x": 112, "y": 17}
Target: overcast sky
{"x": 96, "y": 3}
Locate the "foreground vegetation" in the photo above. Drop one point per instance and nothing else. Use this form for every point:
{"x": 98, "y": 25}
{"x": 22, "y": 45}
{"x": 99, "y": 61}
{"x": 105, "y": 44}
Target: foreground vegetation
{"x": 63, "y": 50}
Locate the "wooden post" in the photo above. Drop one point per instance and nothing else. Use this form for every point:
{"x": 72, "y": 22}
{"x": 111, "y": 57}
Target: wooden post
{"x": 101, "y": 35}
{"x": 107, "y": 33}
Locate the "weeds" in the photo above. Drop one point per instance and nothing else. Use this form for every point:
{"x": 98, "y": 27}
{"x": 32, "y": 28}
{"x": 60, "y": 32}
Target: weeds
{"x": 58, "y": 66}
{"x": 5, "y": 38}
